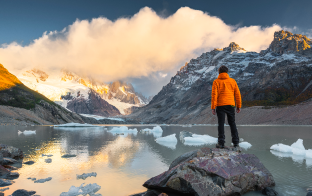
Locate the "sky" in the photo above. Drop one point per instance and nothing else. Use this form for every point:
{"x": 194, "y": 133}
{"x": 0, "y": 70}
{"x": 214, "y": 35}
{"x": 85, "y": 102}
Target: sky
{"x": 139, "y": 41}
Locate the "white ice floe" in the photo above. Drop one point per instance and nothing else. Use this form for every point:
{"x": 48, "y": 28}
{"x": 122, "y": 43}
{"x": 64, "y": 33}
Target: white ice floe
{"x": 197, "y": 140}
{"x": 75, "y": 125}
{"x": 90, "y": 189}
{"x": 124, "y": 131}
{"x": 245, "y": 145}
{"x": 86, "y": 175}
{"x": 296, "y": 148}
{"x": 169, "y": 141}
{"x": 26, "y": 132}
{"x": 43, "y": 180}
{"x": 156, "y": 131}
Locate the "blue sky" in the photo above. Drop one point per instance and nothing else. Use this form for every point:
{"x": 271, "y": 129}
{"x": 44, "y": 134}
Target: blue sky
{"x": 137, "y": 59}
{"x": 25, "y": 20}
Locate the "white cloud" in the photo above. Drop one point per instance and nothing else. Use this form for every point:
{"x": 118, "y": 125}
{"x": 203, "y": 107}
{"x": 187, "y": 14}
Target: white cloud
{"x": 132, "y": 47}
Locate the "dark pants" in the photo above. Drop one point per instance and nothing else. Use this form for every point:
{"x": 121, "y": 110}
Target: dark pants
{"x": 230, "y": 111}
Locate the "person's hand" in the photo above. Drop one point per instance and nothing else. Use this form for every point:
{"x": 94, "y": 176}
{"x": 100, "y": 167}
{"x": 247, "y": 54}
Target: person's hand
{"x": 238, "y": 110}
{"x": 214, "y": 111}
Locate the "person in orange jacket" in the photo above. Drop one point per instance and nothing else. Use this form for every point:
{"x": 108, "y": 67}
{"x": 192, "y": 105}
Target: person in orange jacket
{"x": 224, "y": 94}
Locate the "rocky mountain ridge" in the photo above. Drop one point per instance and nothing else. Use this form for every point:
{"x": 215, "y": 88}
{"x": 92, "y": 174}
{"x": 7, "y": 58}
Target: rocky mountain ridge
{"x": 279, "y": 75}
{"x": 83, "y": 94}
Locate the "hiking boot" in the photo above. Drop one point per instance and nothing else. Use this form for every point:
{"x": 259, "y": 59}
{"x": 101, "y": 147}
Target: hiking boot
{"x": 236, "y": 145}
{"x": 219, "y": 145}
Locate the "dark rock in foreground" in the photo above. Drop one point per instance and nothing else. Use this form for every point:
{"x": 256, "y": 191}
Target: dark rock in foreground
{"x": 23, "y": 192}
{"x": 29, "y": 162}
{"x": 10, "y": 152}
{"x": 213, "y": 172}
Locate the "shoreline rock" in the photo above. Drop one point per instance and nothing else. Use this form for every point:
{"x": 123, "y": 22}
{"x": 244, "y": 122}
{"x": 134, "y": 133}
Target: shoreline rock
{"x": 212, "y": 171}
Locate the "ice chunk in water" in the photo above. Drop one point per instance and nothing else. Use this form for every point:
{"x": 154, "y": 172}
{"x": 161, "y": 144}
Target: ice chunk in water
{"x": 169, "y": 141}
{"x": 245, "y": 145}
{"x": 281, "y": 148}
{"x": 197, "y": 140}
{"x": 26, "y": 132}
{"x": 90, "y": 189}
{"x": 156, "y": 131}
{"x": 86, "y": 175}
{"x": 309, "y": 153}
{"x": 296, "y": 149}
{"x": 124, "y": 130}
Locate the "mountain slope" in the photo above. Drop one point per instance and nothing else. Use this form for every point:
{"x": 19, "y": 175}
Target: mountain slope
{"x": 39, "y": 109}
{"x": 280, "y": 75}
{"x": 64, "y": 87}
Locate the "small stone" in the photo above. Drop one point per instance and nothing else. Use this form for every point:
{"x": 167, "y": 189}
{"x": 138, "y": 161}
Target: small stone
{"x": 11, "y": 175}
{"x": 68, "y": 155}
{"x": 47, "y": 155}
{"x": 269, "y": 191}
{"x": 29, "y": 162}
{"x": 43, "y": 180}
{"x": 48, "y": 160}
{"x": 23, "y": 192}
{"x": 4, "y": 182}
{"x": 2, "y": 190}
{"x": 8, "y": 161}
{"x": 3, "y": 170}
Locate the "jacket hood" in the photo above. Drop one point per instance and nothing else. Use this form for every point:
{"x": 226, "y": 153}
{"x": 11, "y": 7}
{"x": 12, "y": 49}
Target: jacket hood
{"x": 223, "y": 76}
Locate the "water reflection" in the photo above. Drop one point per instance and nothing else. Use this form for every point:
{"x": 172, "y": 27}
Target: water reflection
{"x": 124, "y": 162}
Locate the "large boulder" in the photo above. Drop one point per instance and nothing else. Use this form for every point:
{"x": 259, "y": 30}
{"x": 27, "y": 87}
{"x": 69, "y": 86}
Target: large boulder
{"x": 10, "y": 152}
{"x": 212, "y": 171}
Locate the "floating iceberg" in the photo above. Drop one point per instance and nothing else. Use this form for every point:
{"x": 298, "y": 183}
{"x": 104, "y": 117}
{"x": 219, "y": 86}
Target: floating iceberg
{"x": 76, "y": 125}
{"x": 86, "y": 175}
{"x": 156, "y": 131}
{"x": 296, "y": 148}
{"x": 90, "y": 189}
{"x": 123, "y": 130}
{"x": 26, "y": 132}
{"x": 191, "y": 139}
{"x": 197, "y": 140}
{"x": 245, "y": 145}
{"x": 169, "y": 141}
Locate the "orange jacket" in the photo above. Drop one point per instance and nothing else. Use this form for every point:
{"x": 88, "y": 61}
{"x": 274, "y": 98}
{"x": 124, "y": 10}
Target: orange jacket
{"x": 224, "y": 89}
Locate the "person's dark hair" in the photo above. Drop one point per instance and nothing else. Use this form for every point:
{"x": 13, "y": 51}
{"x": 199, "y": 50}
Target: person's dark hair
{"x": 223, "y": 69}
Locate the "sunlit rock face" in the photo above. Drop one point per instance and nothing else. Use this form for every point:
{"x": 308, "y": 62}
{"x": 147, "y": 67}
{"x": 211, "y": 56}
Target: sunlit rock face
{"x": 213, "y": 172}
{"x": 83, "y": 94}
{"x": 280, "y": 75}
{"x": 286, "y": 42}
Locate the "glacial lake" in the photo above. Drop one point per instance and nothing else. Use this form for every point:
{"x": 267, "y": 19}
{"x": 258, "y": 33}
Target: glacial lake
{"x": 124, "y": 162}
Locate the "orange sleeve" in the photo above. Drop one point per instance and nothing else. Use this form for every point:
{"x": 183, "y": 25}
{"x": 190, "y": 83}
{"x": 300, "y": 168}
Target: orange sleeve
{"x": 214, "y": 95}
{"x": 237, "y": 95}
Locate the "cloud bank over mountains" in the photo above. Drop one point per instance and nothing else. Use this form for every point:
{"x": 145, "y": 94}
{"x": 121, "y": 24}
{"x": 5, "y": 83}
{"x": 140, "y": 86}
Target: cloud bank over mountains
{"x": 134, "y": 47}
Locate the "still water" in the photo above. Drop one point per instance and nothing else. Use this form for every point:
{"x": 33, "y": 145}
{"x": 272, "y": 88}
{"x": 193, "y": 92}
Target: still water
{"x": 124, "y": 162}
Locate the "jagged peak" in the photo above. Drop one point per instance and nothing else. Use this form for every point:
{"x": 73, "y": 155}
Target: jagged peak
{"x": 287, "y": 42}
{"x": 233, "y": 47}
